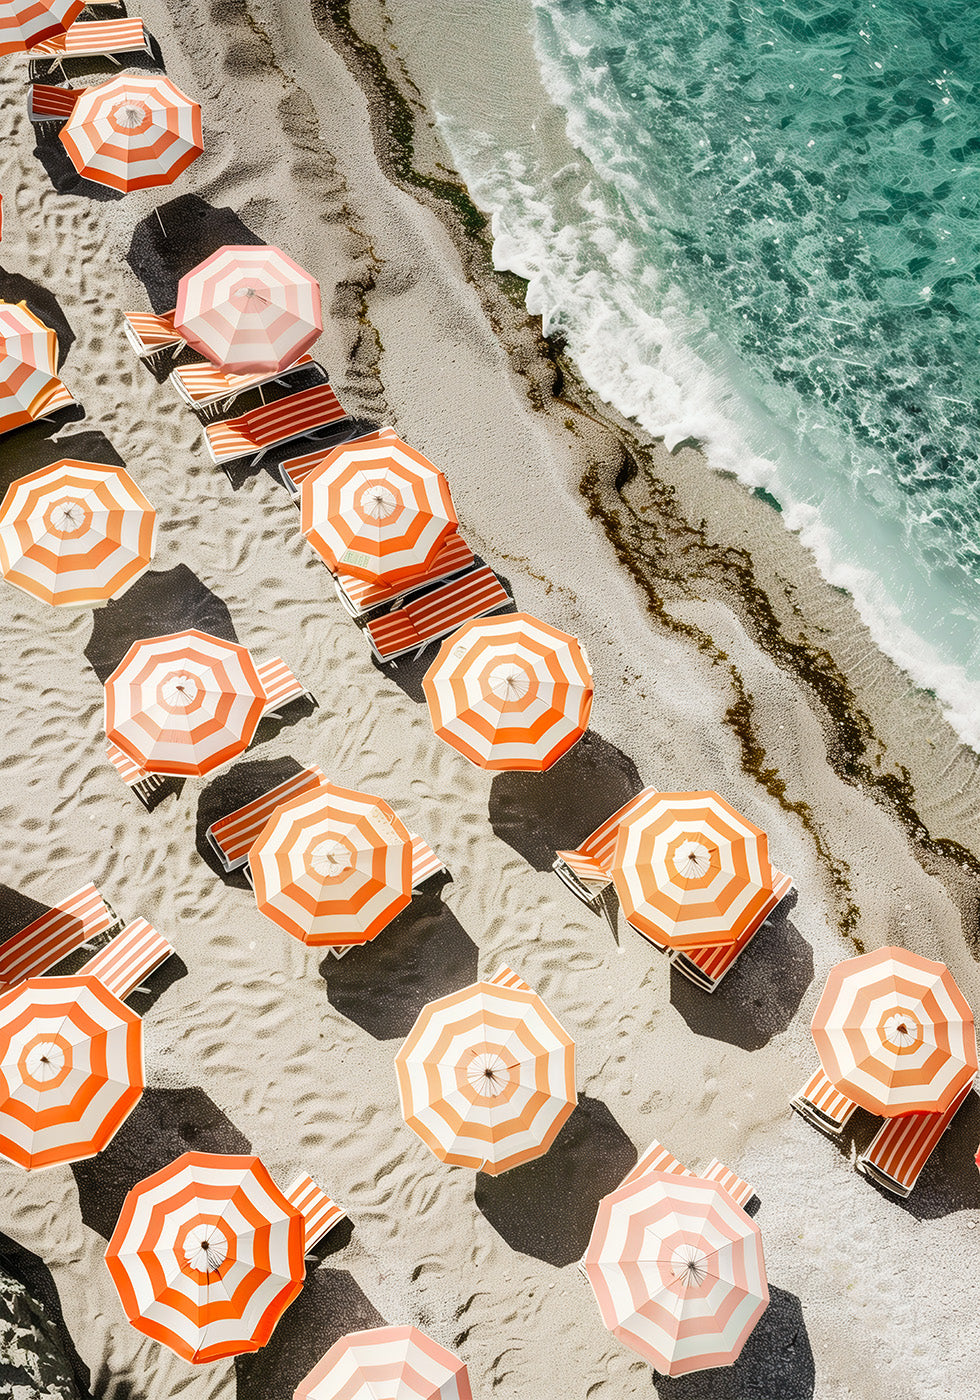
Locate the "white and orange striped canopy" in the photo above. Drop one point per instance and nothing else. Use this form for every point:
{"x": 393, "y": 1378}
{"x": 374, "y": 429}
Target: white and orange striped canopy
{"x": 28, "y": 365}
{"x": 677, "y": 1270}
{"x": 24, "y": 23}
{"x": 378, "y": 510}
{"x": 690, "y": 871}
{"x": 75, "y": 533}
{"x": 386, "y": 1363}
{"x": 71, "y": 1069}
{"x": 207, "y": 1255}
{"x": 510, "y": 692}
{"x": 486, "y": 1076}
{"x": 895, "y": 1033}
{"x": 248, "y": 309}
{"x": 133, "y": 133}
{"x": 184, "y": 703}
{"x": 332, "y": 867}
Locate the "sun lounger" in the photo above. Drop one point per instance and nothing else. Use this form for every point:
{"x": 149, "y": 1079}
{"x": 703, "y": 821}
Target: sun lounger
{"x": 903, "y": 1145}
{"x": 53, "y": 935}
{"x": 49, "y": 106}
{"x": 280, "y": 685}
{"x": 295, "y": 470}
{"x": 53, "y": 399}
{"x": 425, "y": 862}
{"x": 143, "y": 784}
{"x": 129, "y": 958}
{"x": 233, "y": 836}
{"x": 254, "y": 434}
{"x": 740, "y": 1191}
{"x": 202, "y": 386}
{"x": 433, "y": 615}
{"x": 507, "y": 977}
{"x": 822, "y": 1104}
{"x": 707, "y": 966}
{"x": 359, "y": 596}
{"x": 655, "y": 1159}
{"x": 587, "y": 870}
{"x": 149, "y": 334}
{"x": 319, "y": 1212}
{"x": 101, "y": 38}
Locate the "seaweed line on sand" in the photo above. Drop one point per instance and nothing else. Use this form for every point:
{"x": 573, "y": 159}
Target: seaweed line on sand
{"x": 657, "y": 545}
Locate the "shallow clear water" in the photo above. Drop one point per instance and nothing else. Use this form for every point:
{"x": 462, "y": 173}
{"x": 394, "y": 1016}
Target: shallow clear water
{"x": 773, "y": 244}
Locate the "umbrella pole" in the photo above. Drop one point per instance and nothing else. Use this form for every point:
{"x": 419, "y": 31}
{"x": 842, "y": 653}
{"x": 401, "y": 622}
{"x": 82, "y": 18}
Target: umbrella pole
{"x": 160, "y": 222}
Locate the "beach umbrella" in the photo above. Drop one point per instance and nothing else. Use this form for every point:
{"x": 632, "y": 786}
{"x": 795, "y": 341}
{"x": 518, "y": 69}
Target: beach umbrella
{"x": 677, "y": 1270}
{"x": 71, "y": 1069}
{"x": 248, "y": 309}
{"x": 332, "y": 867}
{"x": 690, "y": 871}
{"x": 386, "y": 1363}
{"x": 895, "y": 1033}
{"x": 377, "y": 510}
{"x": 24, "y": 23}
{"x": 75, "y": 533}
{"x": 183, "y": 703}
{"x": 486, "y": 1077}
{"x": 133, "y": 132}
{"x": 207, "y": 1255}
{"x": 28, "y": 365}
{"x": 510, "y": 692}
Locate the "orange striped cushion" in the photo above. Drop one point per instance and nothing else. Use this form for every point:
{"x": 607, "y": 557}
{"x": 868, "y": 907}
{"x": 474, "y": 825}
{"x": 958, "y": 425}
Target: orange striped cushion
{"x": 93, "y": 37}
{"x": 53, "y": 935}
{"x": 454, "y": 556}
{"x": 132, "y": 955}
{"x": 236, "y": 833}
{"x": 263, "y": 427}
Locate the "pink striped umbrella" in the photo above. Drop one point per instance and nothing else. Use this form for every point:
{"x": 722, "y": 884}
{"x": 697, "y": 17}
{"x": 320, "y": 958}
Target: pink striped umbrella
{"x": 28, "y": 365}
{"x": 24, "y": 23}
{"x": 386, "y": 1363}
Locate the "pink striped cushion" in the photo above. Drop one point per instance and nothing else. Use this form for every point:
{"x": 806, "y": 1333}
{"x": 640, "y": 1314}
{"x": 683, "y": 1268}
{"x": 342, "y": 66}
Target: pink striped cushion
{"x": 53, "y": 935}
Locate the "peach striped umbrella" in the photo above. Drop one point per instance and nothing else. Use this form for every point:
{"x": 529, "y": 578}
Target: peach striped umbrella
{"x": 24, "y": 23}
{"x": 678, "y": 1272}
{"x": 690, "y": 871}
{"x": 895, "y": 1033}
{"x": 133, "y": 133}
{"x": 71, "y": 1069}
{"x": 75, "y": 533}
{"x": 28, "y": 365}
{"x": 332, "y": 867}
{"x": 248, "y": 309}
{"x": 386, "y": 1363}
{"x": 510, "y": 692}
{"x": 184, "y": 703}
{"x": 207, "y": 1255}
{"x": 379, "y": 511}
{"x": 486, "y": 1076}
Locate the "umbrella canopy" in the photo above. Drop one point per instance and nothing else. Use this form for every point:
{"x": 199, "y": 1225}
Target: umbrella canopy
{"x": 690, "y": 871}
{"x": 249, "y": 310}
{"x": 184, "y": 703}
{"x": 895, "y": 1033}
{"x": 677, "y": 1270}
{"x": 487, "y": 1077}
{"x": 386, "y": 1363}
{"x": 133, "y": 133}
{"x": 510, "y": 692}
{"x": 207, "y": 1255}
{"x": 75, "y": 533}
{"x": 332, "y": 867}
{"x": 71, "y": 1069}
{"x": 24, "y": 23}
{"x": 28, "y": 365}
{"x": 378, "y": 511}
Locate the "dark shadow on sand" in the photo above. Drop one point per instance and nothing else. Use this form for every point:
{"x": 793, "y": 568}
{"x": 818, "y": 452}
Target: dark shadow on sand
{"x": 547, "y": 1207}
{"x": 761, "y": 994}
{"x": 240, "y": 785}
{"x": 423, "y": 954}
{"x": 776, "y": 1362}
{"x": 29, "y": 451}
{"x": 194, "y": 230}
{"x": 17, "y": 911}
{"x": 162, "y": 1126}
{"x": 538, "y": 814}
{"x": 64, "y": 178}
{"x": 949, "y": 1181}
{"x": 155, "y": 605}
{"x": 31, "y": 1271}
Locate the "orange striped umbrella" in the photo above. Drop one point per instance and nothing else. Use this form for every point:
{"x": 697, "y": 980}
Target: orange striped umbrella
{"x": 486, "y": 1076}
{"x": 75, "y": 533}
{"x": 332, "y": 867}
{"x": 510, "y": 692}
{"x": 24, "y": 23}
{"x": 184, "y": 703}
{"x": 133, "y": 133}
{"x": 895, "y": 1033}
{"x": 690, "y": 871}
{"x": 377, "y": 510}
{"x": 386, "y": 1363}
{"x": 71, "y": 1069}
{"x": 207, "y": 1255}
{"x": 28, "y": 365}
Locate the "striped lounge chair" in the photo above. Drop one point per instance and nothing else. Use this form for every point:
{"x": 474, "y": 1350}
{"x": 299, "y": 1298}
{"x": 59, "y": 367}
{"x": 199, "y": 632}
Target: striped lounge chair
{"x": 129, "y": 958}
{"x": 280, "y": 685}
{"x": 48, "y": 106}
{"x": 319, "y": 1212}
{"x": 150, "y": 334}
{"x": 101, "y": 38}
{"x": 707, "y": 966}
{"x": 361, "y": 598}
{"x": 903, "y": 1145}
{"x": 202, "y": 386}
{"x": 233, "y": 836}
{"x": 587, "y": 871}
{"x": 253, "y": 434}
{"x": 144, "y": 784}
{"x": 42, "y": 943}
{"x": 430, "y": 616}
{"x": 295, "y": 470}
{"x": 821, "y": 1103}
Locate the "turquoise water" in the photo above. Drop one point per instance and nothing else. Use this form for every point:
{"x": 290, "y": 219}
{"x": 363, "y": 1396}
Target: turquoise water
{"x": 770, "y": 240}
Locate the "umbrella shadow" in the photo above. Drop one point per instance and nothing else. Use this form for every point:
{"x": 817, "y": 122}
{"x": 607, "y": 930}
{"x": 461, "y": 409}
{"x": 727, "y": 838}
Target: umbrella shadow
{"x": 64, "y": 178}
{"x": 547, "y": 1208}
{"x": 538, "y": 814}
{"x": 17, "y": 910}
{"x": 423, "y": 954}
{"x": 243, "y": 783}
{"x": 26, "y": 452}
{"x": 776, "y": 1362}
{"x": 761, "y": 994}
{"x": 192, "y": 230}
{"x": 330, "y": 1305}
{"x": 156, "y": 604}
{"x": 163, "y": 1125}
{"x": 43, "y": 303}
{"x": 30, "y": 1271}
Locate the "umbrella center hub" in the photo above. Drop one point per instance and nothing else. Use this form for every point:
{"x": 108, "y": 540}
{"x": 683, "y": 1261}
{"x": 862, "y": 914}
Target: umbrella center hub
{"x": 130, "y": 115}
{"x": 901, "y": 1031}
{"x": 509, "y": 682}
{"x": 689, "y": 1266}
{"x": 694, "y": 859}
{"x": 205, "y": 1247}
{"x": 68, "y": 517}
{"x": 249, "y": 297}
{"x": 329, "y": 859}
{"x": 488, "y": 1074}
{"x": 44, "y": 1062}
{"x": 378, "y": 501}
{"x": 179, "y": 691}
